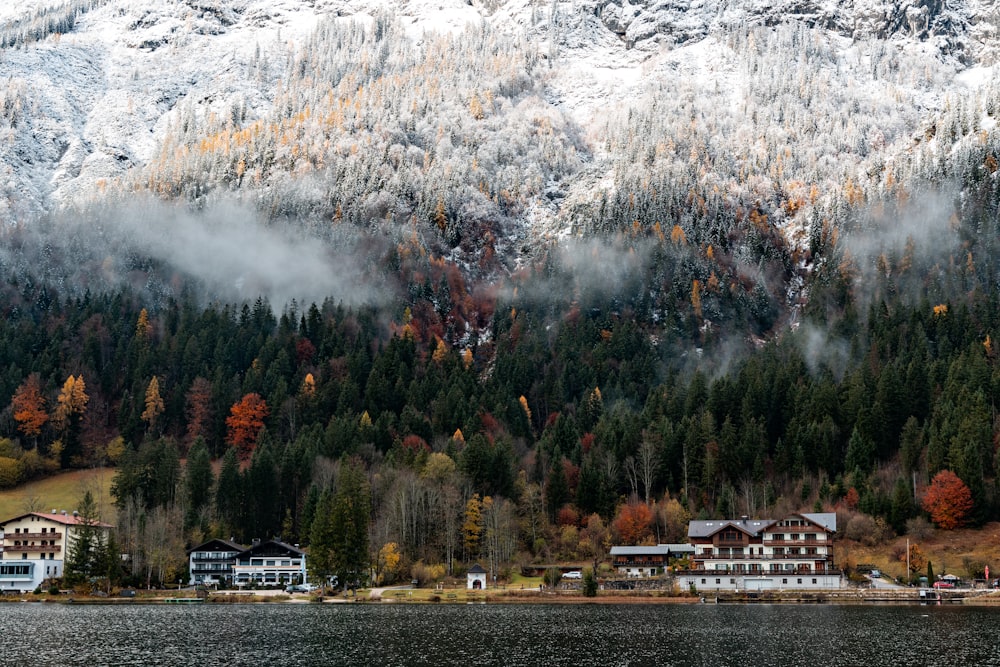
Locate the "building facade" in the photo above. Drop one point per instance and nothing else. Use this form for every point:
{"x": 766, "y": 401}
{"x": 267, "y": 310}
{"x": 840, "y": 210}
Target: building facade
{"x": 270, "y": 563}
{"x": 795, "y": 552}
{"x": 37, "y": 545}
{"x": 212, "y": 563}
{"x": 475, "y": 578}
{"x": 647, "y": 561}
{"x": 225, "y": 562}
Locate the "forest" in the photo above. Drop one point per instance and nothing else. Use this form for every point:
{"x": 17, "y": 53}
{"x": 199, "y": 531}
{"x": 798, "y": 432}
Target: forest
{"x": 771, "y": 309}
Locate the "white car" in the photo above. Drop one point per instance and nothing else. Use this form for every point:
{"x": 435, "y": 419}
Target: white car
{"x": 575, "y": 574}
{"x": 301, "y": 588}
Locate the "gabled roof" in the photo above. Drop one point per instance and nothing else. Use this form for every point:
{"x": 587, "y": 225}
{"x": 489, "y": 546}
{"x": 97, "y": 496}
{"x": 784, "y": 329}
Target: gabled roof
{"x": 827, "y": 520}
{"x": 658, "y": 550}
{"x": 56, "y": 517}
{"x": 477, "y": 569}
{"x": 276, "y": 547}
{"x": 703, "y": 529}
{"x": 218, "y": 544}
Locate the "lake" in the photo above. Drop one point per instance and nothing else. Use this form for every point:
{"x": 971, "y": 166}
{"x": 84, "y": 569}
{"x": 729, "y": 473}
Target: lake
{"x": 472, "y": 635}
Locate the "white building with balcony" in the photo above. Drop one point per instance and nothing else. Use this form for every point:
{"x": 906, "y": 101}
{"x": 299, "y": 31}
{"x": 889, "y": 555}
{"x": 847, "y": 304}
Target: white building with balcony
{"x": 36, "y": 546}
{"x": 270, "y": 563}
{"x": 795, "y": 552}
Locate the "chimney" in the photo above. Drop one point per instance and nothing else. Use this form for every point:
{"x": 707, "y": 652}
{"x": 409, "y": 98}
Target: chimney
{"x": 64, "y": 512}
{"x": 75, "y": 513}
{"x": 55, "y": 511}
{"x": 744, "y": 518}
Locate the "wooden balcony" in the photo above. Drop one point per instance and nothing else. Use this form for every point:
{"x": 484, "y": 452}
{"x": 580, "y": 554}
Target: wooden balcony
{"x": 33, "y": 549}
{"x": 30, "y": 536}
{"x": 797, "y": 543}
{"x": 762, "y": 557}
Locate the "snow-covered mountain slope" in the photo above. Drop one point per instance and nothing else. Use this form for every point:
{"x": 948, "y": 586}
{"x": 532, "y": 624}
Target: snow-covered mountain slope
{"x": 491, "y": 126}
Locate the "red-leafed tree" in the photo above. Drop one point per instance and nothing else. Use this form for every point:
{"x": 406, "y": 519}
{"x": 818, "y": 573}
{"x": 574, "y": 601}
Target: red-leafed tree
{"x": 633, "y": 522}
{"x": 948, "y": 500}
{"x": 244, "y": 424}
{"x": 199, "y": 408}
{"x": 29, "y": 407}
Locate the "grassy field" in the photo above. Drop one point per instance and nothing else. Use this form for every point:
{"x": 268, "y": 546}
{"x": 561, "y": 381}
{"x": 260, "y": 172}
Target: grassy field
{"x": 950, "y": 551}
{"x": 61, "y": 492}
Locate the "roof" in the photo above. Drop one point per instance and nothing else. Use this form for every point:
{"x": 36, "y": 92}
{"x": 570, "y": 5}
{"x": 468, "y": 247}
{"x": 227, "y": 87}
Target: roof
{"x": 62, "y": 518}
{"x": 271, "y": 547}
{"x": 214, "y": 544}
{"x": 827, "y": 520}
{"x": 657, "y": 550}
{"x": 477, "y": 569}
{"x": 751, "y": 527}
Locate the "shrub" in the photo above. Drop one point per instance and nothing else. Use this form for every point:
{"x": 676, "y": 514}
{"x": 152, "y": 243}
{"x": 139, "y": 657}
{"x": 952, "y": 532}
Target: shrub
{"x": 589, "y": 583}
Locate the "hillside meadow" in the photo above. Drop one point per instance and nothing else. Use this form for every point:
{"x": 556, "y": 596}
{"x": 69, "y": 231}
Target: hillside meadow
{"x": 60, "y": 492}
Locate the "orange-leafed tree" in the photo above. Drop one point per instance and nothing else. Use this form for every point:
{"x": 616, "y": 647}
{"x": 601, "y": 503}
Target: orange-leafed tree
{"x": 633, "y": 522}
{"x": 199, "y": 408}
{"x": 29, "y": 407}
{"x": 71, "y": 405}
{"x": 154, "y": 403}
{"x": 948, "y": 500}
{"x": 244, "y": 424}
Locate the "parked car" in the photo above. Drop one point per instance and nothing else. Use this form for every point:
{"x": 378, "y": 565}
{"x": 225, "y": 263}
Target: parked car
{"x": 575, "y": 574}
{"x": 876, "y": 574}
{"x": 300, "y": 588}
{"x": 943, "y": 584}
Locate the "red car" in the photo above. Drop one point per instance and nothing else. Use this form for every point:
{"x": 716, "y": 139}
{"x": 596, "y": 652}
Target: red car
{"x": 943, "y": 584}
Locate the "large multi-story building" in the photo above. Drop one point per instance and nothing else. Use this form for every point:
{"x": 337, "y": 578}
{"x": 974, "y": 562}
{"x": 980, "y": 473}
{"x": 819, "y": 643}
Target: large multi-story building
{"x": 763, "y": 554}
{"x": 37, "y": 545}
{"x": 263, "y": 563}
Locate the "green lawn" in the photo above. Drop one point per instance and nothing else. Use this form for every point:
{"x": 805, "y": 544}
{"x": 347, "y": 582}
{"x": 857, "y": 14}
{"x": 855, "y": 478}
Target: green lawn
{"x": 61, "y": 492}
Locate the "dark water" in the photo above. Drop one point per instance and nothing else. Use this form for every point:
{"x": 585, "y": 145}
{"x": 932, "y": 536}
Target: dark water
{"x": 581, "y": 636}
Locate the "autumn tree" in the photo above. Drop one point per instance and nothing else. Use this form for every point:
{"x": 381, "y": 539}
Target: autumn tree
{"x": 154, "y": 403}
{"x": 633, "y": 522}
{"x": 29, "y": 407}
{"x": 71, "y": 405}
{"x": 472, "y": 527}
{"x": 244, "y": 424}
{"x": 385, "y": 563}
{"x": 948, "y": 500}
{"x": 199, "y": 408}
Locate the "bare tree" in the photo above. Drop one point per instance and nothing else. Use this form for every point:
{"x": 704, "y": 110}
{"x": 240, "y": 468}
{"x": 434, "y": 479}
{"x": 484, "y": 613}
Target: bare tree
{"x": 647, "y": 466}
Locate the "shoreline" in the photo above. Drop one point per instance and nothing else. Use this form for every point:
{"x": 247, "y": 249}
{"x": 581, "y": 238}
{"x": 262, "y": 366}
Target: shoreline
{"x": 430, "y": 597}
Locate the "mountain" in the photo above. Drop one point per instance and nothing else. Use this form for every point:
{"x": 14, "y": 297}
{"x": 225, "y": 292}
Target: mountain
{"x": 490, "y": 134}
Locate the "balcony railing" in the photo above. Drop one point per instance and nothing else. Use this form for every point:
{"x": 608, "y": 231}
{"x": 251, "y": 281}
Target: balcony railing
{"x": 762, "y": 557}
{"x": 796, "y": 543}
{"x": 31, "y": 536}
{"x": 32, "y": 549}
{"x": 798, "y": 571}
{"x": 730, "y": 543}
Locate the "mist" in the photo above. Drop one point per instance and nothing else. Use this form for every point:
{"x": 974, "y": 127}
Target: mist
{"x": 227, "y": 251}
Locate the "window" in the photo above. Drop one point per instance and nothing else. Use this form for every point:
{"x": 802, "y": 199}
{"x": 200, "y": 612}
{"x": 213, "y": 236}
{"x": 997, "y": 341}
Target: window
{"x": 784, "y": 581}
{"x": 718, "y": 581}
{"x": 799, "y": 580}
{"x": 814, "y": 580}
{"x": 732, "y": 581}
{"x": 703, "y": 582}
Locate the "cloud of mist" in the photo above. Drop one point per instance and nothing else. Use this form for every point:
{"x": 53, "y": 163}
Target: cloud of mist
{"x": 588, "y": 271}
{"x": 227, "y": 249}
{"x": 925, "y": 221}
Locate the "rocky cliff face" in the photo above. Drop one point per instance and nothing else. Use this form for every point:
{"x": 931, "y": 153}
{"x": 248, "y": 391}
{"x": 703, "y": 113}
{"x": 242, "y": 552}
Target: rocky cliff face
{"x": 967, "y": 30}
